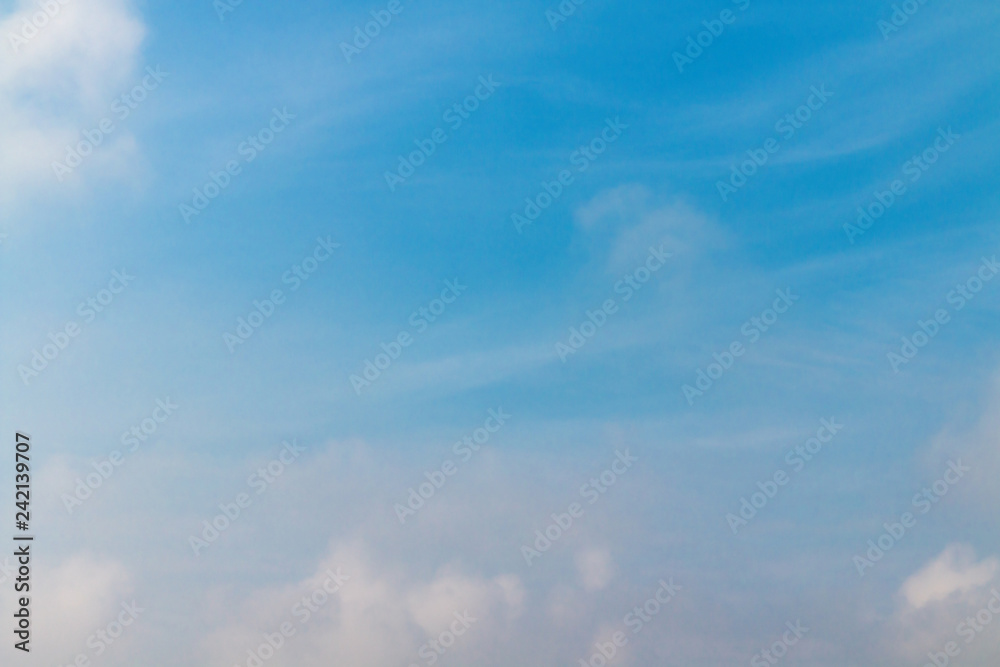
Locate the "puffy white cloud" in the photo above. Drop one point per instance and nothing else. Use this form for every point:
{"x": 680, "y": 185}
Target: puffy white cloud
{"x": 955, "y": 570}
{"x": 59, "y": 79}
{"x": 70, "y": 601}
{"x": 623, "y": 222}
{"x": 378, "y": 616}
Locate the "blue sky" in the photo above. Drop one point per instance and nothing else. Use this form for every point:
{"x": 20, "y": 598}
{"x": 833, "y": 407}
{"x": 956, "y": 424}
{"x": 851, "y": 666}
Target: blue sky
{"x": 651, "y": 183}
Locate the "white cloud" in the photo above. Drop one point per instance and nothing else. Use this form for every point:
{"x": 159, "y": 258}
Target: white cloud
{"x": 70, "y": 601}
{"x": 978, "y": 444}
{"x": 379, "y": 616}
{"x": 623, "y": 222}
{"x": 615, "y": 203}
{"x": 61, "y": 81}
{"x": 955, "y": 570}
